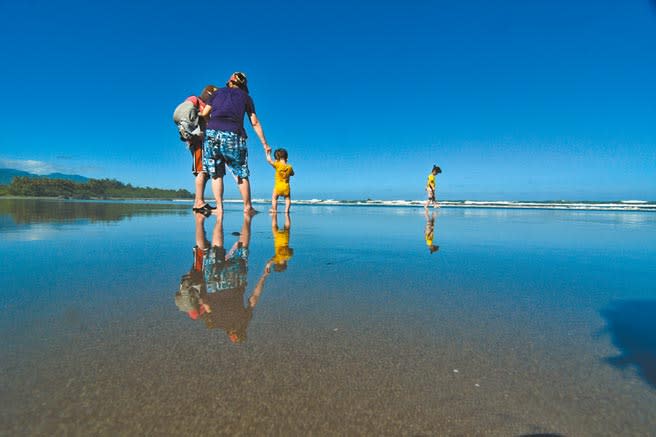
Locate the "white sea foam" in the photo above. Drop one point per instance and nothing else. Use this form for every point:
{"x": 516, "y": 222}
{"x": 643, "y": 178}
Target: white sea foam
{"x": 622, "y": 205}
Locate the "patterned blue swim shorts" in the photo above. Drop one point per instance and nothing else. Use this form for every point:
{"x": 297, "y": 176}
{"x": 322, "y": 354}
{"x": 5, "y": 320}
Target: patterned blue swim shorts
{"x": 225, "y": 274}
{"x": 225, "y": 148}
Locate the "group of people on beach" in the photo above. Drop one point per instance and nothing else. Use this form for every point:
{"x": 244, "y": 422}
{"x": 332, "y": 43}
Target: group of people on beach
{"x": 212, "y": 125}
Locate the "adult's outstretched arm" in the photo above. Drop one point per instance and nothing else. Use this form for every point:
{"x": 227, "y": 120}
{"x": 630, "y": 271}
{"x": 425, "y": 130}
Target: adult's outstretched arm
{"x": 257, "y": 127}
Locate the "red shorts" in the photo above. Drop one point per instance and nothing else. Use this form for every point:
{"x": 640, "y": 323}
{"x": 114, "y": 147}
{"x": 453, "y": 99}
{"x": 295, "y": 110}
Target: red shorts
{"x": 196, "y": 149}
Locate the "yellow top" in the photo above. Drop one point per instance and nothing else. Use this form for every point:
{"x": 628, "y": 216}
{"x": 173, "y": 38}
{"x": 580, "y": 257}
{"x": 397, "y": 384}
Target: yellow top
{"x": 281, "y": 246}
{"x": 283, "y": 172}
{"x": 431, "y": 181}
{"x": 282, "y": 175}
{"x": 429, "y": 238}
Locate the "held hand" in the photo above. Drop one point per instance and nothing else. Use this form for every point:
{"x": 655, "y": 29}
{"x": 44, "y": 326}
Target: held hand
{"x": 267, "y": 149}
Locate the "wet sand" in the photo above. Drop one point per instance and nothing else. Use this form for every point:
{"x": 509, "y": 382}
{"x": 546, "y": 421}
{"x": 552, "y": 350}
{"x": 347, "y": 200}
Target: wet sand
{"x": 367, "y": 336}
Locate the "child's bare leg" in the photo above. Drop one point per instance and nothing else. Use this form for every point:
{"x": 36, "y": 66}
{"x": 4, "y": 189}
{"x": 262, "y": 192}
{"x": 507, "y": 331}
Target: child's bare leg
{"x": 274, "y": 202}
{"x": 288, "y": 203}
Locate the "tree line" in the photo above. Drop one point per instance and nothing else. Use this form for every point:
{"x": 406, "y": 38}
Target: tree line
{"x": 91, "y": 189}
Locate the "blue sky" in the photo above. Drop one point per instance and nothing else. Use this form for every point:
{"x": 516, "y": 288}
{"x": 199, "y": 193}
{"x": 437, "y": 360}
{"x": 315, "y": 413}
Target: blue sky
{"x": 514, "y": 99}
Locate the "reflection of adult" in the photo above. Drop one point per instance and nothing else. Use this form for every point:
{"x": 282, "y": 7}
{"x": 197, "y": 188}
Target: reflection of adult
{"x": 225, "y": 276}
{"x": 226, "y": 280}
{"x": 214, "y": 289}
{"x": 225, "y": 138}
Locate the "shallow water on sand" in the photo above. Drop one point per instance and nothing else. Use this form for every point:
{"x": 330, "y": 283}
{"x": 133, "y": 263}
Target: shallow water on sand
{"x": 511, "y": 322}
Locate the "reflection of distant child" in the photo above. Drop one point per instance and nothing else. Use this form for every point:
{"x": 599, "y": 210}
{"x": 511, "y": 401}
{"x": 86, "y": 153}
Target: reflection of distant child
{"x": 429, "y": 232}
{"x": 281, "y": 185}
{"x": 430, "y": 187}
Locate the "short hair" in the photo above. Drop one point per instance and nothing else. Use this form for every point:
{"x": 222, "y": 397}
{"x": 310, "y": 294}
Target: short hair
{"x": 437, "y": 169}
{"x": 280, "y": 154}
{"x": 207, "y": 92}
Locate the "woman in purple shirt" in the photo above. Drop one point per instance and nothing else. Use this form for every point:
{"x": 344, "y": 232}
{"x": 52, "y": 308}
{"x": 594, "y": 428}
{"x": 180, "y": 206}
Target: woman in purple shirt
{"x": 225, "y": 138}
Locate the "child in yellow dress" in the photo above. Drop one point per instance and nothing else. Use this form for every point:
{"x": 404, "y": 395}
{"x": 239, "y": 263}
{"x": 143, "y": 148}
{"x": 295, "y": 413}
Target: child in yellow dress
{"x": 281, "y": 185}
{"x": 430, "y": 187}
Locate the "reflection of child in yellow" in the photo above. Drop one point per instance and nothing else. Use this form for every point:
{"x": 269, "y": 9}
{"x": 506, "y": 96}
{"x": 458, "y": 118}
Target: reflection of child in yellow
{"x": 429, "y": 232}
{"x": 282, "y": 251}
{"x": 281, "y": 185}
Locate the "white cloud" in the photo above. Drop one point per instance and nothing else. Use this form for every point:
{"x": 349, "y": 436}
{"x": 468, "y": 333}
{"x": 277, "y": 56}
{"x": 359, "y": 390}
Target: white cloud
{"x": 29, "y": 165}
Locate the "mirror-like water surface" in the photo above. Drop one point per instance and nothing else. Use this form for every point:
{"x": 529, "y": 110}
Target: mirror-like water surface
{"x": 142, "y": 318}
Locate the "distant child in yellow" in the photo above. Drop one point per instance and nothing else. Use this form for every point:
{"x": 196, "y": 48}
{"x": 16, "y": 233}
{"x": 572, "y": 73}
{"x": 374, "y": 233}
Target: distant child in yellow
{"x": 281, "y": 181}
{"x": 430, "y": 187}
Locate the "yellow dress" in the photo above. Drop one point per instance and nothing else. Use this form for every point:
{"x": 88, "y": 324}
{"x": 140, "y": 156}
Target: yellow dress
{"x": 281, "y": 246}
{"x": 429, "y": 237}
{"x": 281, "y": 179}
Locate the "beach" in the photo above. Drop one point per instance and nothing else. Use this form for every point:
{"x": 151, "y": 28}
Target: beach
{"x": 519, "y": 322}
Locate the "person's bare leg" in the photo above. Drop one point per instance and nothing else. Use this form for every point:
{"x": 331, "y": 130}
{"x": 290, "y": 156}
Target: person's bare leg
{"x": 201, "y": 179}
{"x": 288, "y": 203}
{"x": 274, "y": 223}
{"x": 245, "y": 236}
{"x": 201, "y": 239}
{"x": 274, "y": 203}
{"x": 245, "y": 191}
{"x": 217, "y": 189}
{"x": 217, "y": 234}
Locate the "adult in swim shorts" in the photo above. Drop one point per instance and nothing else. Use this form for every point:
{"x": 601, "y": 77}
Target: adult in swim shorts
{"x": 225, "y": 138}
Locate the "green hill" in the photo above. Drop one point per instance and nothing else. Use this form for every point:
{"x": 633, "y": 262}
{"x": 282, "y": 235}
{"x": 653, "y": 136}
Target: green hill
{"x": 7, "y": 174}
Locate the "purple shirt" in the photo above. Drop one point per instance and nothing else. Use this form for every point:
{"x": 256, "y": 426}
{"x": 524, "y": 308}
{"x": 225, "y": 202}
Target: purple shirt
{"x": 228, "y": 108}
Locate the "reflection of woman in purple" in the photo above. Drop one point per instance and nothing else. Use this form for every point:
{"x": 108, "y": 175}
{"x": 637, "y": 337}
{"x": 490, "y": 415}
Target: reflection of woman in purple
{"x": 214, "y": 289}
{"x": 225, "y": 138}
{"x": 226, "y": 276}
